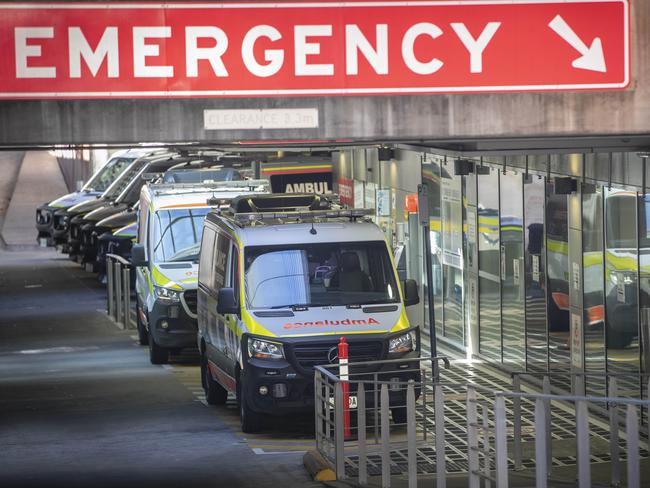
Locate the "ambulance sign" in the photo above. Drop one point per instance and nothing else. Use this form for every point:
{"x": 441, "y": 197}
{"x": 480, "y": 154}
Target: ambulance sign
{"x": 261, "y": 49}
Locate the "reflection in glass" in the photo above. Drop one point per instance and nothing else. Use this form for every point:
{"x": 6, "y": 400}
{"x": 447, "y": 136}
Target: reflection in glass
{"x": 644, "y": 277}
{"x": 535, "y": 256}
{"x": 177, "y": 234}
{"x": 488, "y": 260}
{"x": 622, "y": 331}
{"x": 452, "y": 257}
{"x": 431, "y": 179}
{"x": 470, "y": 254}
{"x": 593, "y": 290}
{"x": 557, "y": 297}
{"x": 512, "y": 269}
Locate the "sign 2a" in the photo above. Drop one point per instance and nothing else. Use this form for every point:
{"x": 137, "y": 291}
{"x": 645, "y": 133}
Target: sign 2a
{"x": 136, "y": 50}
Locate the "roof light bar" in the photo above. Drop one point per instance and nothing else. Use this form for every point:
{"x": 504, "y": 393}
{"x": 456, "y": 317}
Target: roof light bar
{"x": 202, "y": 187}
{"x": 250, "y": 217}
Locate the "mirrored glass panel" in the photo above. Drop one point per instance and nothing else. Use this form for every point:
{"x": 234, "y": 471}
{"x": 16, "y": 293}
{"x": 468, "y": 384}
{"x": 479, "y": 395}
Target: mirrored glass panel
{"x": 452, "y": 256}
{"x": 621, "y": 299}
{"x": 512, "y": 270}
{"x": 470, "y": 262}
{"x": 488, "y": 259}
{"x": 644, "y": 280}
{"x": 535, "y": 258}
{"x": 557, "y": 297}
{"x": 431, "y": 178}
{"x": 593, "y": 290}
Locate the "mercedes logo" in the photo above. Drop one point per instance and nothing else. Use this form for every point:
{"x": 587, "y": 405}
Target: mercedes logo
{"x": 333, "y": 354}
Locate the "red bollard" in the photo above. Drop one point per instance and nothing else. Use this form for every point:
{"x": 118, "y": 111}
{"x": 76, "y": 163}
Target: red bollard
{"x": 345, "y": 386}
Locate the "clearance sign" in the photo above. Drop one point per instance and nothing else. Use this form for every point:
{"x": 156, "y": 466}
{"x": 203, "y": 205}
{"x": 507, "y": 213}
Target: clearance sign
{"x": 104, "y": 50}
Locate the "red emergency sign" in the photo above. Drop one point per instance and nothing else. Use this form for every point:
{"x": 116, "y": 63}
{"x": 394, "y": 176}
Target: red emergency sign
{"x": 121, "y": 50}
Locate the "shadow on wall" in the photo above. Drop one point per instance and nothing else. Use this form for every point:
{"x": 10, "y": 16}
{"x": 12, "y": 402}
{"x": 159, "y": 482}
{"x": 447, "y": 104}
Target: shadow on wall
{"x": 74, "y": 170}
{"x": 9, "y": 168}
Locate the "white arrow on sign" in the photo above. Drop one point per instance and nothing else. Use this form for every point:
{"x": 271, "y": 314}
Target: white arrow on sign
{"x": 592, "y": 57}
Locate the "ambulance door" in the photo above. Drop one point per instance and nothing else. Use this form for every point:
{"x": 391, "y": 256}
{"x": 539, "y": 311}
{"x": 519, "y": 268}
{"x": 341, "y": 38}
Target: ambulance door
{"x": 205, "y": 312}
{"x": 142, "y": 287}
{"x": 231, "y": 343}
{"x": 217, "y": 327}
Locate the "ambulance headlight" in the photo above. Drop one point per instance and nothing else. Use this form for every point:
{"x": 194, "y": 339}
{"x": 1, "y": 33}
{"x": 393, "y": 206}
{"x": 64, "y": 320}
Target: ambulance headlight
{"x": 260, "y": 349}
{"x": 403, "y": 343}
{"x": 166, "y": 295}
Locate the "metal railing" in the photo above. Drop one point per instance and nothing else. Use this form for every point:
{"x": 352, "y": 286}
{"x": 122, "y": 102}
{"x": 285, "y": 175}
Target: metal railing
{"x": 379, "y": 387}
{"x": 583, "y": 453}
{"x": 609, "y": 409}
{"x": 432, "y": 416}
{"x": 118, "y": 288}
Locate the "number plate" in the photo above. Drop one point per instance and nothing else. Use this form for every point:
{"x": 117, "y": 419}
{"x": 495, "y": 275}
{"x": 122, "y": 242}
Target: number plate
{"x": 352, "y": 402}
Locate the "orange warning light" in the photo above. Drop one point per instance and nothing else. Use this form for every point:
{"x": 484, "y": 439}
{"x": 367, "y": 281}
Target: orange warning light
{"x": 411, "y": 203}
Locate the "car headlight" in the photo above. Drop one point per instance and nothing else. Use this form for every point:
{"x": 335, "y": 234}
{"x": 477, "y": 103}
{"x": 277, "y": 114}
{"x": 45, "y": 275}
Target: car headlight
{"x": 166, "y": 294}
{"x": 260, "y": 349}
{"x": 403, "y": 343}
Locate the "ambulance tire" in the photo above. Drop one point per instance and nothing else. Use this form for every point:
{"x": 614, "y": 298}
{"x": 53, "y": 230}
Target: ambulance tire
{"x": 157, "y": 354}
{"x": 251, "y": 422}
{"x": 215, "y": 394}
{"x": 143, "y": 335}
{"x": 399, "y": 415}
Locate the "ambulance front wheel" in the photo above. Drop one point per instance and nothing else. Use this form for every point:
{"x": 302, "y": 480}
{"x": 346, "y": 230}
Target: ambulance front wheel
{"x": 143, "y": 335}
{"x": 251, "y": 421}
{"x": 215, "y": 394}
{"x": 157, "y": 354}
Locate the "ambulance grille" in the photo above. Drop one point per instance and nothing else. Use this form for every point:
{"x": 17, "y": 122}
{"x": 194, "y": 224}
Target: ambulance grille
{"x": 310, "y": 355}
{"x": 190, "y": 300}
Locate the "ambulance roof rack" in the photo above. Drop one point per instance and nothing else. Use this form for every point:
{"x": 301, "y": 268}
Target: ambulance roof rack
{"x": 279, "y": 202}
{"x": 260, "y": 209}
{"x": 206, "y": 186}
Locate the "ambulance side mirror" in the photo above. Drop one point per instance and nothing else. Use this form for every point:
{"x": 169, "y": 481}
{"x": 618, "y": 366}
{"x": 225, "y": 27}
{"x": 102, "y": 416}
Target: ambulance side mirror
{"x": 411, "y": 296}
{"x": 226, "y": 302}
{"x": 137, "y": 256}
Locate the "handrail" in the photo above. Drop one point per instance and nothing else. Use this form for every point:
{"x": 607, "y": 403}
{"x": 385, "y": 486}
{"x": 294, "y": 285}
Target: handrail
{"x": 576, "y": 373}
{"x": 324, "y": 368}
{"x": 119, "y": 259}
{"x": 573, "y": 398}
{"x": 543, "y": 438}
{"x": 118, "y": 288}
{"x": 486, "y": 411}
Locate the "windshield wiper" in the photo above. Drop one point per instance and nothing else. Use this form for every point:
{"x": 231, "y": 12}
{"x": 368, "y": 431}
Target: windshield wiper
{"x": 382, "y": 301}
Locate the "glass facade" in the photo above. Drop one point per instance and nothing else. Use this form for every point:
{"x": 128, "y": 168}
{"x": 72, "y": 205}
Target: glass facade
{"x": 452, "y": 257}
{"x": 535, "y": 270}
{"x": 518, "y": 299}
{"x": 489, "y": 283}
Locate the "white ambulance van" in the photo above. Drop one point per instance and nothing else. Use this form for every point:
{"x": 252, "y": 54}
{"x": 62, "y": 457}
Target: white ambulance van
{"x": 281, "y": 278}
{"x": 166, "y": 256}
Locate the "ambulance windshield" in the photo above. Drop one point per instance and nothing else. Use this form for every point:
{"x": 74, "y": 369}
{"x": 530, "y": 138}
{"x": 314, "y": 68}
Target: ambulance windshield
{"x": 318, "y": 275}
{"x": 177, "y": 234}
{"x": 105, "y": 176}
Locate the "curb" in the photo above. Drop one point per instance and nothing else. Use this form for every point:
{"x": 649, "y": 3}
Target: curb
{"x": 317, "y": 467}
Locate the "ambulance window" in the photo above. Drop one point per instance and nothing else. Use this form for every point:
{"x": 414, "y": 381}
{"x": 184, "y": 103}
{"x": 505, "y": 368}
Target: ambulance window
{"x": 328, "y": 274}
{"x": 207, "y": 245}
{"x": 177, "y": 234}
{"x": 233, "y": 277}
{"x": 220, "y": 262}
{"x": 142, "y": 224}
